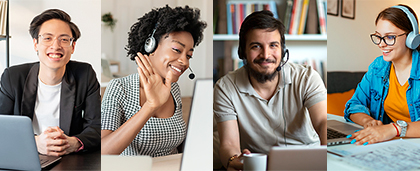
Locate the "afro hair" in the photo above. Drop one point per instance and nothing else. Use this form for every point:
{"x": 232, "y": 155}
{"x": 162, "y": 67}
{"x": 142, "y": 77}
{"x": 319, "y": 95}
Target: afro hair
{"x": 166, "y": 20}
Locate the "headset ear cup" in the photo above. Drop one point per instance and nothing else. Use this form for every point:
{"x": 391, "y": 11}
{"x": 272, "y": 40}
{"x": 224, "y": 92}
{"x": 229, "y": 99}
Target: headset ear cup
{"x": 150, "y": 44}
{"x": 413, "y": 40}
{"x": 240, "y": 53}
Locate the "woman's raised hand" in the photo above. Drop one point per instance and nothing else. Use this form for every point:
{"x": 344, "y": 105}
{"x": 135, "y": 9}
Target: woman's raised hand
{"x": 156, "y": 89}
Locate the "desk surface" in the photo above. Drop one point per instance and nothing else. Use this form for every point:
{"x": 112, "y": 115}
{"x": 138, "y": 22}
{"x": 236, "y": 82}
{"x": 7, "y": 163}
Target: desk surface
{"x": 336, "y": 163}
{"x": 171, "y": 162}
{"x": 79, "y": 161}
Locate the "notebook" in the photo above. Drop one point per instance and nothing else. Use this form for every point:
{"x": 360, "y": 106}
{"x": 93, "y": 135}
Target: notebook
{"x": 337, "y": 132}
{"x": 298, "y": 158}
{"x": 198, "y": 149}
{"x": 18, "y": 149}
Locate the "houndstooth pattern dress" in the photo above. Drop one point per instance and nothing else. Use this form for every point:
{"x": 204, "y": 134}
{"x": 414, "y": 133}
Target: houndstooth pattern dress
{"x": 159, "y": 136}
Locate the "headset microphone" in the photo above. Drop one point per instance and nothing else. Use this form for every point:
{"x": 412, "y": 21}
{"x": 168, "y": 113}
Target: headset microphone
{"x": 278, "y": 68}
{"x": 192, "y": 75}
{"x": 286, "y": 53}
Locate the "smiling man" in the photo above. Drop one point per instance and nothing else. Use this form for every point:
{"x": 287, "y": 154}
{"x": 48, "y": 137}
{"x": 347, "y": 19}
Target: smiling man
{"x": 60, "y": 96}
{"x": 268, "y": 102}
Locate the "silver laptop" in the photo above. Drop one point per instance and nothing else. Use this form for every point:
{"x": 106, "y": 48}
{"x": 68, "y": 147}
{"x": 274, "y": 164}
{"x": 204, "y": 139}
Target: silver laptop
{"x": 337, "y": 132}
{"x": 18, "y": 149}
{"x": 198, "y": 147}
{"x": 298, "y": 158}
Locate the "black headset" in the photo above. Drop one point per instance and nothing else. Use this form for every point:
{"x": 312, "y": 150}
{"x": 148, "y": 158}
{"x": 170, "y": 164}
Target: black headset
{"x": 150, "y": 47}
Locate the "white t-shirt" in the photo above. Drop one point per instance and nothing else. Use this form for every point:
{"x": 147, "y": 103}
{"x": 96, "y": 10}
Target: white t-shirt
{"x": 47, "y": 107}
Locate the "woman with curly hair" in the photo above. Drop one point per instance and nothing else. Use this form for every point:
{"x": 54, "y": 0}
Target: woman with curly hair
{"x": 141, "y": 113}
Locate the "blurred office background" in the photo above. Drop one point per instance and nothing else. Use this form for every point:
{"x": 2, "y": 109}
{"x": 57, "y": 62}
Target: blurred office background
{"x": 84, "y": 13}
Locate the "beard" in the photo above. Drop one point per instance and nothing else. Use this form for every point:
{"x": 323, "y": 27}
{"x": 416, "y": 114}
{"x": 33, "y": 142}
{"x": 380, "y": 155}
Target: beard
{"x": 261, "y": 77}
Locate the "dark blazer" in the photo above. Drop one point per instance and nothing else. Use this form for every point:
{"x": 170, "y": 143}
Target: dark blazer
{"x": 80, "y": 112}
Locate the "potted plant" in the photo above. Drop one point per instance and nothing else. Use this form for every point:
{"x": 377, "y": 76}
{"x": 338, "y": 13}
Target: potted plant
{"x": 109, "y": 20}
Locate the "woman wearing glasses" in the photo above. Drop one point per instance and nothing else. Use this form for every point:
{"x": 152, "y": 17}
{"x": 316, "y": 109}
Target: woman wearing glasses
{"x": 141, "y": 113}
{"x": 386, "y": 102}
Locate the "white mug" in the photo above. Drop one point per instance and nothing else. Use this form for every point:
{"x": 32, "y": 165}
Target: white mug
{"x": 255, "y": 162}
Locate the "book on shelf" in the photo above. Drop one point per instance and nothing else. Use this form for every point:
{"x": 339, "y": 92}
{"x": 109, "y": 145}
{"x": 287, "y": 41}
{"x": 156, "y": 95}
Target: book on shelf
{"x": 312, "y": 21}
{"x": 322, "y": 16}
{"x": 288, "y": 14}
{"x": 305, "y": 17}
{"x": 3, "y": 17}
{"x": 297, "y": 9}
{"x": 237, "y": 11}
{"x": 222, "y": 18}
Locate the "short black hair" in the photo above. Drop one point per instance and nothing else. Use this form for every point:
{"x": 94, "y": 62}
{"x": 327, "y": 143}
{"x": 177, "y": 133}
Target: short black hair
{"x": 170, "y": 20}
{"x": 259, "y": 20}
{"x": 52, "y": 14}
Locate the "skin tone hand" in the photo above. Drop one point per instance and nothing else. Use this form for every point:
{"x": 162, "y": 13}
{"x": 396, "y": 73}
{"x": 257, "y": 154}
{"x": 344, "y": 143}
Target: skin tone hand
{"x": 157, "y": 91}
{"x": 236, "y": 164}
{"x": 373, "y": 134}
{"x": 54, "y": 142}
{"x": 365, "y": 120}
{"x": 372, "y": 123}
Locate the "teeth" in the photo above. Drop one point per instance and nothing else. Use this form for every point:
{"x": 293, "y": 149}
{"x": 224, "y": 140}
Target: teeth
{"x": 176, "y": 69}
{"x": 54, "y": 56}
{"x": 385, "y": 51}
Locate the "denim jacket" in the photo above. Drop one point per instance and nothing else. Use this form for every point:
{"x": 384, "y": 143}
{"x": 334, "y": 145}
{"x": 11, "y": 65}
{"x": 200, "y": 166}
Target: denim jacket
{"x": 371, "y": 92}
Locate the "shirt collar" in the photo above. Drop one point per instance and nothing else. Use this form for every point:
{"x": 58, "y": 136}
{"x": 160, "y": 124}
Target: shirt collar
{"x": 415, "y": 64}
{"x": 384, "y": 67}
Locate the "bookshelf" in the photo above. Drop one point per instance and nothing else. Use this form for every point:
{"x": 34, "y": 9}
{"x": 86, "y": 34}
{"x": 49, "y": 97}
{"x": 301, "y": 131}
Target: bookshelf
{"x": 310, "y": 49}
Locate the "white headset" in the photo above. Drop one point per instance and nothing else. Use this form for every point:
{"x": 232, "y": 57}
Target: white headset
{"x": 413, "y": 38}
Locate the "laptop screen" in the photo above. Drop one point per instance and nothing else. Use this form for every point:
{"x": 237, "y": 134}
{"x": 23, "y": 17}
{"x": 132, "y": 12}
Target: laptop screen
{"x": 198, "y": 150}
{"x": 18, "y": 148}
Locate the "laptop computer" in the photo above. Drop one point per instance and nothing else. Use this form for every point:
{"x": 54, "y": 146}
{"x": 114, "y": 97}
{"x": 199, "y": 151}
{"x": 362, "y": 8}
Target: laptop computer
{"x": 198, "y": 147}
{"x": 18, "y": 149}
{"x": 337, "y": 132}
{"x": 298, "y": 158}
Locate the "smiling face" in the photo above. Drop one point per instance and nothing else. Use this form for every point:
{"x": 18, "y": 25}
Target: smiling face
{"x": 54, "y": 57}
{"x": 396, "y": 51}
{"x": 173, "y": 54}
{"x": 263, "y": 52}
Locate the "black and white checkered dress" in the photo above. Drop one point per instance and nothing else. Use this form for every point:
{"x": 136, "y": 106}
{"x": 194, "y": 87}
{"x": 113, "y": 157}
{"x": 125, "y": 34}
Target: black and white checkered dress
{"x": 159, "y": 136}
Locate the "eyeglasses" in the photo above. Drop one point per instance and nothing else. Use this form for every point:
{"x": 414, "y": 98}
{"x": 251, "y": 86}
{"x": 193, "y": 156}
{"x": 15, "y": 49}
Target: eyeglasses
{"x": 388, "y": 39}
{"x": 48, "y": 40}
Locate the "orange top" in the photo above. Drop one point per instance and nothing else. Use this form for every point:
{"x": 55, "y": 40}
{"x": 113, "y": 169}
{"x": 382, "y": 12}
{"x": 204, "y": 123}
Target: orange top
{"x": 395, "y": 104}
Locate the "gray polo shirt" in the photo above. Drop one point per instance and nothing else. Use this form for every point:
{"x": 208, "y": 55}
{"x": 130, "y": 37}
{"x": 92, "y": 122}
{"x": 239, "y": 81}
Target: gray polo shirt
{"x": 261, "y": 122}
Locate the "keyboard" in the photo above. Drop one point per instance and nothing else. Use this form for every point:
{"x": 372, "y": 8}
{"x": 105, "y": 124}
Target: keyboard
{"x": 332, "y": 134}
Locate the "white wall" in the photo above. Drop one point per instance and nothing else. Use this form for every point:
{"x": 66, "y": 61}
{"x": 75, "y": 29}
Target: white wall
{"x": 127, "y": 12}
{"x": 84, "y": 13}
{"x": 349, "y": 44}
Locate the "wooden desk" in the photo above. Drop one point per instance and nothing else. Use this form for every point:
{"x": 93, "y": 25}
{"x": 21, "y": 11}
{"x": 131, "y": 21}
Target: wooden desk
{"x": 79, "y": 161}
{"x": 168, "y": 163}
